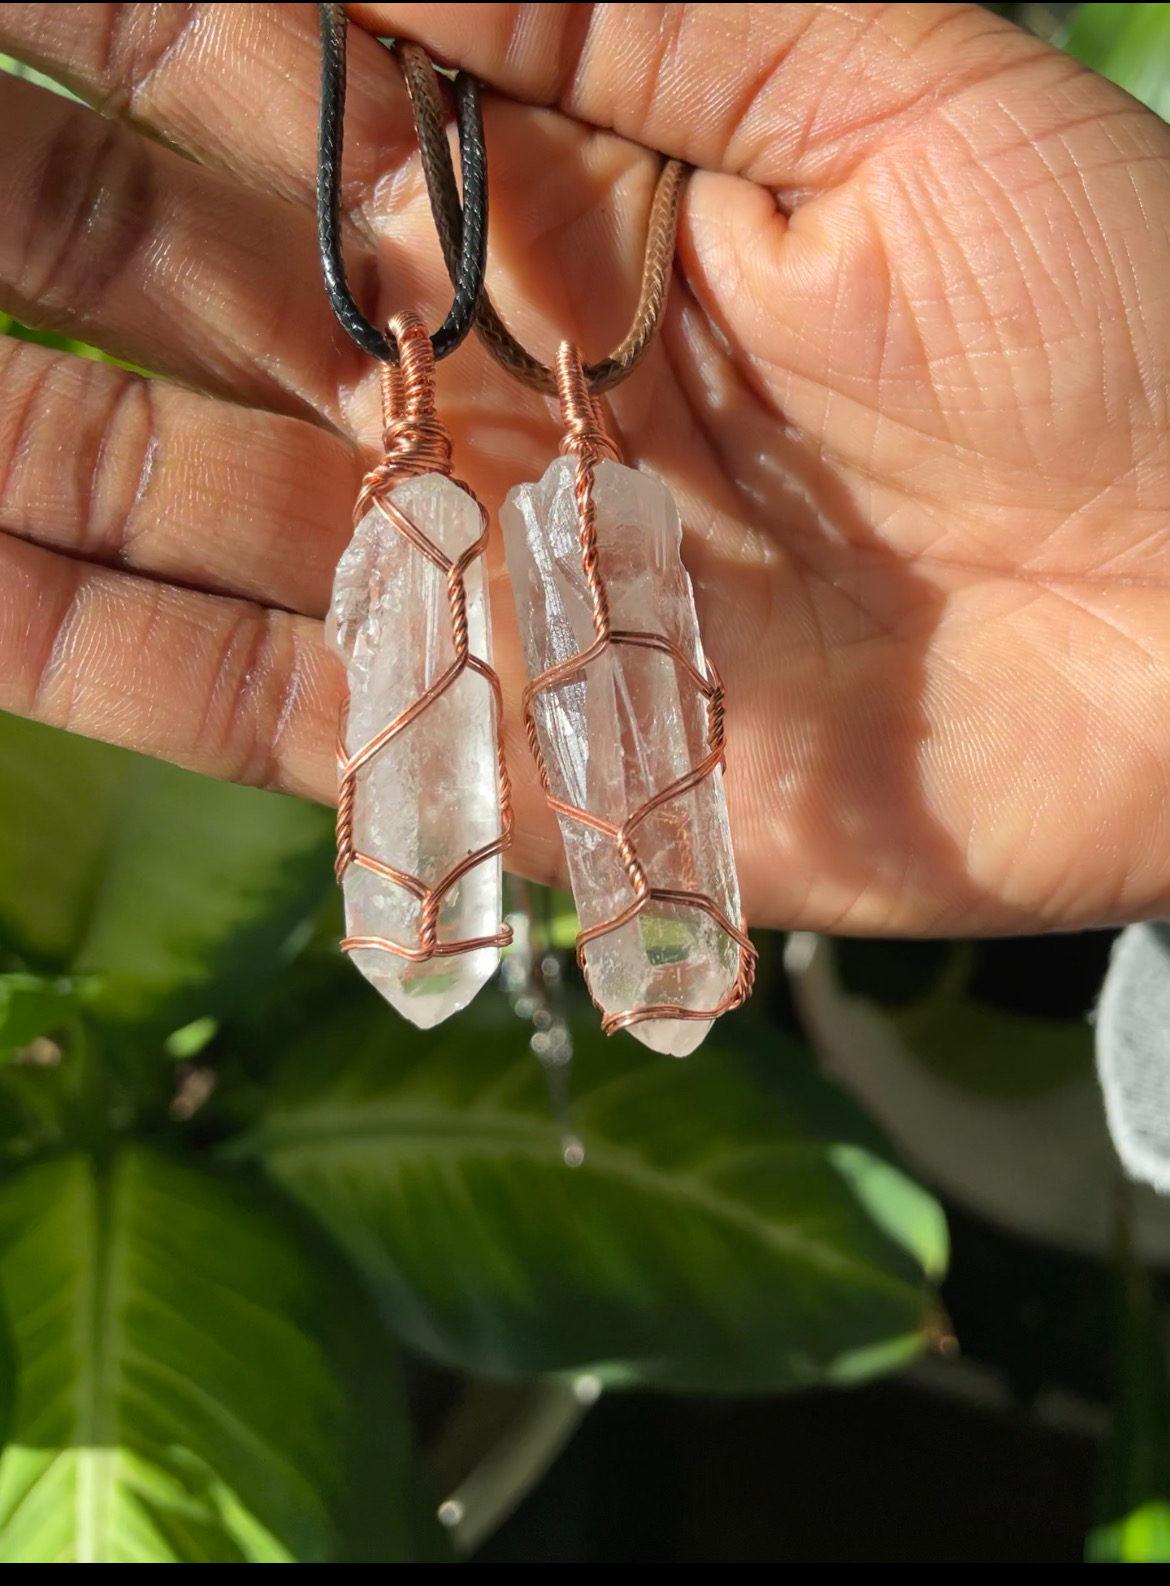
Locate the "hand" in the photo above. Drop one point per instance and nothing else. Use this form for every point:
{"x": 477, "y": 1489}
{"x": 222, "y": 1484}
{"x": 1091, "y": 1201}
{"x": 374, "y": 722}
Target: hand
{"x": 911, "y": 396}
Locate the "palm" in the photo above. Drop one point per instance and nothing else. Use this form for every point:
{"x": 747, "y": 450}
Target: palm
{"x": 914, "y": 430}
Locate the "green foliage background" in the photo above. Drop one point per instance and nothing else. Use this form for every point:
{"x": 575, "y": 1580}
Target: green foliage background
{"x": 204, "y": 1308}
{"x": 233, "y": 1185}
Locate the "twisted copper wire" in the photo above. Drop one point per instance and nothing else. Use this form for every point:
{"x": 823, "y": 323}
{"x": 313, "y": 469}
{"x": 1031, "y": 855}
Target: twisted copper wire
{"x": 415, "y": 443}
{"x": 587, "y": 442}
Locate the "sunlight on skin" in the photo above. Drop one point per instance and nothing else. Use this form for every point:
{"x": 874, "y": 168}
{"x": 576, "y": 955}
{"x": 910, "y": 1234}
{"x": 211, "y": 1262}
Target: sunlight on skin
{"x": 911, "y": 397}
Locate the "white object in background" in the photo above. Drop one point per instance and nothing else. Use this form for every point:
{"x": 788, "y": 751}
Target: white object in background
{"x": 1133, "y": 1051}
{"x": 1041, "y": 1165}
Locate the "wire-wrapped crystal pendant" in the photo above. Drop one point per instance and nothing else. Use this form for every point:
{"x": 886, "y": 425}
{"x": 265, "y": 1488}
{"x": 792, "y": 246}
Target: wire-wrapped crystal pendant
{"x": 424, "y": 809}
{"x": 625, "y": 719}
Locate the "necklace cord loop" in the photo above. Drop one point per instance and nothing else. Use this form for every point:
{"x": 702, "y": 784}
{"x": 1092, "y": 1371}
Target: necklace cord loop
{"x": 470, "y": 257}
{"x": 450, "y": 217}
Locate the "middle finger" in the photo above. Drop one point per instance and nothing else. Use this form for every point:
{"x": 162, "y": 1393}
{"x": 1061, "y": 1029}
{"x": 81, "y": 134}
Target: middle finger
{"x": 170, "y": 484}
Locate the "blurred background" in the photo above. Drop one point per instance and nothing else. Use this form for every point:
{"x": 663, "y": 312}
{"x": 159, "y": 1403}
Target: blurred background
{"x": 286, "y": 1280}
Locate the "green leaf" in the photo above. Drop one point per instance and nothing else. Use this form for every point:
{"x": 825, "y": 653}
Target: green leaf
{"x": 31, "y": 1005}
{"x": 17, "y": 68}
{"x": 563, "y": 923}
{"x": 898, "y": 1205}
{"x": 1130, "y": 44}
{"x": 1133, "y": 1498}
{"x": 7, "y": 1374}
{"x": 198, "y": 1382}
{"x": 180, "y": 890}
{"x": 1143, "y": 1537}
{"x": 53, "y": 338}
{"x": 711, "y": 1239}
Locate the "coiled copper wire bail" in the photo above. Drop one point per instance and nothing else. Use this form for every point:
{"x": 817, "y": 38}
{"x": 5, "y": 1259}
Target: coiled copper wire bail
{"x": 413, "y": 439}
{"x": 588, "y": 443}
{"x": 415, "y": 443}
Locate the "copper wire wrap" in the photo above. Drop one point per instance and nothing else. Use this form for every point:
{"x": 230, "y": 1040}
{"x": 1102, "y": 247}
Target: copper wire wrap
{"x": 578, "y": 386}
{"x": 415, "y": 442}
{"x": 587, "y": 442}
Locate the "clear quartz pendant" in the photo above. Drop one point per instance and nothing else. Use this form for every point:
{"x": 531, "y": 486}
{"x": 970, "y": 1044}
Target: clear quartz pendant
{"x": 429, "y": 798}
{"x": 621, "y": 730}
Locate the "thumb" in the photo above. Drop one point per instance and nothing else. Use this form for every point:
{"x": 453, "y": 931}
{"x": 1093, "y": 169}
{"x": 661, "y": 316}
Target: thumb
{"x": 790, "y": 96}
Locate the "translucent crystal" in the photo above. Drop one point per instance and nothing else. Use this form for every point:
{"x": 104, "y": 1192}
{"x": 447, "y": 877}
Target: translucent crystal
{"x": 622, "y": 731}
{"x": 430, "y": 796}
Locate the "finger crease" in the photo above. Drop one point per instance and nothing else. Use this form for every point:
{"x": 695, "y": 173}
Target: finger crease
{"x": 139, "y": 43}
{"x": 55, "y": 660}
{"x": 109, "y": 519}
{"x": 247, "y": 668}
{"x": 23, "y": 431}
{"x": 97, "y": 194}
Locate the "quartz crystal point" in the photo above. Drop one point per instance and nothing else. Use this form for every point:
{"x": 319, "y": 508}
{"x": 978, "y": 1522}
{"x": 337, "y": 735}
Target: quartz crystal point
{"x": 430, "y": 796}
{"x": 614, "y": 735}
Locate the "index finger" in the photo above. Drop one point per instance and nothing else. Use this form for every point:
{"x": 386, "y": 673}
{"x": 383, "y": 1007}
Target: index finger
{"x": 789, "y": 96}
{"x": 234, "y": 86}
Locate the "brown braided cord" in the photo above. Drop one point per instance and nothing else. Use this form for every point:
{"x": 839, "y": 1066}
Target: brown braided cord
{"x": 426, "y": 101}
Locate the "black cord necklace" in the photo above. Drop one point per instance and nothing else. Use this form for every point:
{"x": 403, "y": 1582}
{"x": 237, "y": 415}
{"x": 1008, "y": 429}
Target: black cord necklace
{"x": 473, "y": 165}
